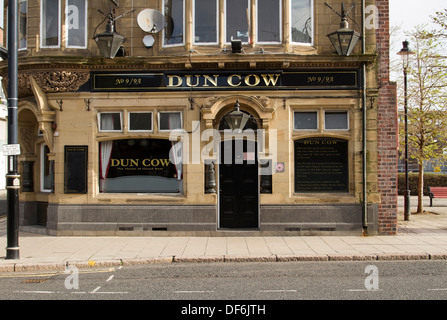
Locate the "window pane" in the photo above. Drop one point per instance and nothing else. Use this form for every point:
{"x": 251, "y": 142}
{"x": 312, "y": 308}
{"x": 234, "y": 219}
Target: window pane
{"x": 269, "y": 20}
{"x": 306, "y": 120}
{"x": 23, "y": 12}
{"x": 173, "y": 32}
{"x": 205, "y": 24}
{"x": 140, "y": 121}
{"x": 301, "y": 21}
{"x": 237, "y": 17}
{"x": 170, "y": 120}
{"x": 50, "y": 23}
{"x": 336, "y": 120}
{"x": 110, "y": 122}
{"x": 76, "y": 22}
{"x": 140, "y": 165}
{"x": 47, "y": 170}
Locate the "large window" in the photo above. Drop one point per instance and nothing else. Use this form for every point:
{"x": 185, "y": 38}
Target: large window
{"x": 140, "y": 166}
{"x": 50, "y": 24}
{"x": 23, "y": 21}
{"x": 269, "y": 21}
{"x": 301, "y": 21}
{"x": 76, "y": 23}
{"x": 237, "y": 14}
{"x": 174, "y": 15}
{"x": 205, "y": 21}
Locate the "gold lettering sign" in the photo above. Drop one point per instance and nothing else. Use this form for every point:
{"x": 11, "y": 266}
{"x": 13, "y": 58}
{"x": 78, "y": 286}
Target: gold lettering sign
{"x": 137, "y": 163}
{"x": 233, "y": 80}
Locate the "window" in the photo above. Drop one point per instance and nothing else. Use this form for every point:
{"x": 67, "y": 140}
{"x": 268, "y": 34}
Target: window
{"x": 301, "y": 20}
{"x": 76, "y": 23}
{"x": 237, "y": 14}
{"x": 140, "y": 166}
{"x": 140, "y": 121}
{"x": 23, "y": 20}
{"x": 205, "y": 21}
{"x": 336, "y": 120}
{"x": 110, "y": 121}
{"x": 50, "y": 24}
{"x": 173, "y": 31}
{"x": 305, "y": 120}
{"x": 46, "y": 170}
{"x": 169, "y": 121}
{"x": 269, "y": 21}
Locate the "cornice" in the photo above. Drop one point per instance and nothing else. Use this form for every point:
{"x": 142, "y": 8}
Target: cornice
{"x": 68, "y": 74}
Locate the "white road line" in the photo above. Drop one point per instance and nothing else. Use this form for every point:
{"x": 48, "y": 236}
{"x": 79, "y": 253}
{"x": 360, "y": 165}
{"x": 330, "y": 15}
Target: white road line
{"x": 191, "y": 291}
{"x": 97, "y": 288}
{"x": 439, "y": 289}
{"x": 277, "y": 291}
{"x": 110, "y": 278}
{"x": 46, "y": 292}
{"x": 362, "y": 290}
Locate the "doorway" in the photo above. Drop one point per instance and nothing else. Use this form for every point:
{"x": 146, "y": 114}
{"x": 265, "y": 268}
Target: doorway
{"x": 238, "y": 185}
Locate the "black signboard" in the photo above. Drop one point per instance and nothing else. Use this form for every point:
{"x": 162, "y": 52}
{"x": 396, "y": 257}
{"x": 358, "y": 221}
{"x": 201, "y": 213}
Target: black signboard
{"x": 225, "y": 80}
{"x": 75, "y": 169}
{"x": 321, "y": 165}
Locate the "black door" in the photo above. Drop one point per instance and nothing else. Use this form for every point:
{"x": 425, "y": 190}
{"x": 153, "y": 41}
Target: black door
{"x": 239, "y": 187}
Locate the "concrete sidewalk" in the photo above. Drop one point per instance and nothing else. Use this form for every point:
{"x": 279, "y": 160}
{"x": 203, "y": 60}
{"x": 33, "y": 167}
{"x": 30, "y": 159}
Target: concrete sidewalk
{"x": 423, "y": 237}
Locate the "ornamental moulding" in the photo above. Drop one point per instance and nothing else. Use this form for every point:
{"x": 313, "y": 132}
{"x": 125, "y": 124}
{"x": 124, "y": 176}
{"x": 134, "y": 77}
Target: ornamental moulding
{"x": 50, "y": 81}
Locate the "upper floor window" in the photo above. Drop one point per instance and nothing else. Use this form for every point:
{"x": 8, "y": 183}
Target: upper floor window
{"x": 205, "y": 21}
{"x": 237, "y": 14}
{"x": 301, "y": 21}
{"x": 76, "y": 23}
{"x": 174, "y": 15}
{"x": 269, "y": 21}
{"x": 23, "y": 20}
{"x": 50, "y": 24}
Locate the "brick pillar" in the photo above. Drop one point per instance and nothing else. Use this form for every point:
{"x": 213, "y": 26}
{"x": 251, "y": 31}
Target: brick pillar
{"x": 387, "y": 128}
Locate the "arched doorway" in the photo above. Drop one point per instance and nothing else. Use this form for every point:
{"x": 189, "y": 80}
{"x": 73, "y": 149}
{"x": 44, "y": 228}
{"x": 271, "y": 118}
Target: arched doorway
{"x": 239, "y": 177}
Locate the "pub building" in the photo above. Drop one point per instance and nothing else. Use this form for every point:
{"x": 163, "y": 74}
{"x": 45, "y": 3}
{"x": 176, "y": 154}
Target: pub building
{"x": 205, "y": 118}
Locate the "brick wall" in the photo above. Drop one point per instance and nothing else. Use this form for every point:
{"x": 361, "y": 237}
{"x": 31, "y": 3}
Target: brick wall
{"x": 387, "y": 128}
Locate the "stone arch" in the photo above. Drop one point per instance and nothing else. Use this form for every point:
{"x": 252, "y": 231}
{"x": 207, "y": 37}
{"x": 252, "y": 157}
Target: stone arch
{"x": 216, "y": 107}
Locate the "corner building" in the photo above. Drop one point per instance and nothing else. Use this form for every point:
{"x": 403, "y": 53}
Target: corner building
{"x": 141, "y": 143}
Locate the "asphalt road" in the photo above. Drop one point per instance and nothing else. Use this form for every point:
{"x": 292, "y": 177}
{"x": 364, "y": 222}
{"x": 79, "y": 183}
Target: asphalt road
{"x": 372, "y": 280}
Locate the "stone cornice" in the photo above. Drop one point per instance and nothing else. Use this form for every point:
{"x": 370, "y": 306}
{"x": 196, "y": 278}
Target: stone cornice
{"x": 67, "y": 74}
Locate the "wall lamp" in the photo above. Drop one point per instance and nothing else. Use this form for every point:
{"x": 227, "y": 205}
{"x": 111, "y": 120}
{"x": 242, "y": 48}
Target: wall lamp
{"x": 110, "y": 41}
{"x": 344, "y": 39}
{"x": 236, "y": 119}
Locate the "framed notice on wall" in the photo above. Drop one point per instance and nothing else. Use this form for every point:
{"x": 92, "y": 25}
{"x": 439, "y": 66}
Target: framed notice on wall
{"x": 75, "y": 169}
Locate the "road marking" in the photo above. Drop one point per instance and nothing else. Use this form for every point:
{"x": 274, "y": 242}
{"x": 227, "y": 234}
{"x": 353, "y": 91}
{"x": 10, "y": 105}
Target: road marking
{"x": 276, "y": 291}
{"x": 110, "y": 278}
{"x": 192, "y": 291}
{"x": 439, "y": 289}
{"x": 362, "y": 290}
{"x": 96, "y": 289}
{"x": 46, "y": 292}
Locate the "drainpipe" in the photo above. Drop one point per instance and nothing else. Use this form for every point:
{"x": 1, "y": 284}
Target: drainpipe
{"x": 364, "y": 150}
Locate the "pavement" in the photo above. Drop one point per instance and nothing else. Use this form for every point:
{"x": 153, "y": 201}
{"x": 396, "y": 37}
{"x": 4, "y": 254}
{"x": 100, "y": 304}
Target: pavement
{"x": 424, "y": 237}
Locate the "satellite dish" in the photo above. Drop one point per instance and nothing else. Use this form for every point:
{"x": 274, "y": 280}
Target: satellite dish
{"x": 148, "y": 41}
{"x": 151, "y": 20}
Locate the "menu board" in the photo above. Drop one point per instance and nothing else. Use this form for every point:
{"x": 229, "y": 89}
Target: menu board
{"x": 75, "y": 169}
{"x": 321, "y": 165}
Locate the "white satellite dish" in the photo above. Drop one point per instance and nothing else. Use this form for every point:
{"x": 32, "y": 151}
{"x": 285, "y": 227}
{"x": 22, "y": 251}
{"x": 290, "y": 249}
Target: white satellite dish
{"x": 148, "y": 41}
{"x": 151, "y": 20}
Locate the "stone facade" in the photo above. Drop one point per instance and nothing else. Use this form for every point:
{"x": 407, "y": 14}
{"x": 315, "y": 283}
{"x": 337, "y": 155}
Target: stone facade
{"x": 64, "y": 94}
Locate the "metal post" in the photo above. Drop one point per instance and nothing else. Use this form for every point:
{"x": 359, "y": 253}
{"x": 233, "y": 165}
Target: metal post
{"x": 407, "y": 184}
{"x": 12, "y": 177}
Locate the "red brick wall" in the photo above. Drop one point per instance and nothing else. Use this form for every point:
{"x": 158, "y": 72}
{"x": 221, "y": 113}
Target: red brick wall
{"x": 387, "y": 128}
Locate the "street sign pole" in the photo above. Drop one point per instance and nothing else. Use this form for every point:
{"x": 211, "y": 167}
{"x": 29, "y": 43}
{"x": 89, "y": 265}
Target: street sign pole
{"x": 12, "y": 177}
